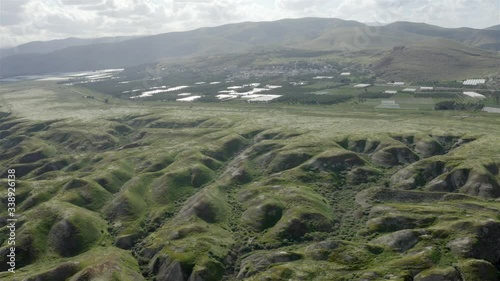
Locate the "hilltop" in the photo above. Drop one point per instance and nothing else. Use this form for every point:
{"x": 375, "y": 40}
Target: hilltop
{"x": 347, "y": 38}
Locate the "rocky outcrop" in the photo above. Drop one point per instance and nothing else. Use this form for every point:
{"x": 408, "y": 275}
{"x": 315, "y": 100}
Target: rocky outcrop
{"x": 394, "y": 156}
{"x": 468, "y": 181}
{"x": 478, "y": 270}
{"x": 61, "y": 272}
{"x": 263, "y": 216}
{"x": 166, "y": 269}
{"x": 323, "y": 249}
{"x": 428, "y": 148}
{"x": 400, "y": 241}
{"x": 63, "y": 237}
{"x": 418, "y": 174}
{"x": 441, "y": 274}
{"x": 334, "y": 161}
{"x": 285, "y": 161}
{"x": 261, "y": 261}
{"x": 298, "y": 225}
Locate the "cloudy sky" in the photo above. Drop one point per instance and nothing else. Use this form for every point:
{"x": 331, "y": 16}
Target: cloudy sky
{"x": 22, "y": 21}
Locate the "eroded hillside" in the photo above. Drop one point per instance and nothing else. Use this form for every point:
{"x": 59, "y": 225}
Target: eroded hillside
{"x": 254, "y": 193}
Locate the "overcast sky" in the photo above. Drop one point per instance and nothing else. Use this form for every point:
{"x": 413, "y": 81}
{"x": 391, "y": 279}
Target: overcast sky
{"x": 23, "y": 21}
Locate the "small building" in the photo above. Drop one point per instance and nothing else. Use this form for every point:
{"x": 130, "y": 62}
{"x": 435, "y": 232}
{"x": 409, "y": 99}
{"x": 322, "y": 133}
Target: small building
{"x": 396, "y": 83}
{"x": 474, "y": 95}
{"x": 391, "y": 92}
{"x": 474, "y": 82}
{"x": 189, "y": 99}
{"x": 411, "y": 90}
{"x": 362, "y": 85}
{"x": 426, "y": 88}
{"x": 388, "y": 104}
{"x": 345, "y": 74}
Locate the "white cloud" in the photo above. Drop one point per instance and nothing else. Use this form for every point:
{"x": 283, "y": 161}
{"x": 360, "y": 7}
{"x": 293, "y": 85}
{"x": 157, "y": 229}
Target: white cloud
{"x": 27, "y": 20}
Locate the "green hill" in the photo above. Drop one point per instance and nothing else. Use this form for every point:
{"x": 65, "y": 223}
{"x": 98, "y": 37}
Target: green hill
{"x": 437, "y": 59}
{"x": 306, "y": 33}
{"x": 481, "y": 38}
{"x": 212, "y": 192}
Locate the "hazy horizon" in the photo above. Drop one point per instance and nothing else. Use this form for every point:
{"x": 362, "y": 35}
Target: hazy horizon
{"x": 25, "y": 21}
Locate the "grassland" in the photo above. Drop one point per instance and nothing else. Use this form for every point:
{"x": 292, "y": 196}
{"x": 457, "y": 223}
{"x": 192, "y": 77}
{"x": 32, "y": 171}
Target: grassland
{"x": 216, "y": 191}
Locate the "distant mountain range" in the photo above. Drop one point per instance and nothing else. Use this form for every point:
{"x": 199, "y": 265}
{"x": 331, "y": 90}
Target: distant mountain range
{"x": 45, "y": 47}
{"x": 436, "y": 59}
{"x": 307, "y": 34}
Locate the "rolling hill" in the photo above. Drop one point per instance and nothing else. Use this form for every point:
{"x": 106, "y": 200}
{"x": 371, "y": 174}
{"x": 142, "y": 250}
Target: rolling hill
{"x": 306, "y": 33}
{"x": 216, "y": 192}
{"x": 481, "y": 38}
{"x": 436, "y": 59}
{"x": 45, "y": 47}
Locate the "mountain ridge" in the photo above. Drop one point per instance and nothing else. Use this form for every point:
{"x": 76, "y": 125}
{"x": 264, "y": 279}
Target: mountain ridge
{"x": 304, "y": 33}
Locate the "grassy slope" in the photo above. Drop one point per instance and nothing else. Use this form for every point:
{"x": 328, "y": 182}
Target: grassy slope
{"x": 305, "y": 33}
{"x": 227, "y": 191}
{"x": 437, "y": 59}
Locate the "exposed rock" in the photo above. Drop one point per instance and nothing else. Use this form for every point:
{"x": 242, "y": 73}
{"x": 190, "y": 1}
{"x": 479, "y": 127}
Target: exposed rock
{"x": 334, "y": 162}
{"x": 451, "y": 182}
{"x": 108, "y": 270}
{"x": 322, "y": 250}
{"x": 377, "y": 194}
{"x": 60, "y": 273}
{"x": 361, "y": 175}
{"x": 364, "y": 145}
{"x": 205, "y": 211}
{"x": 230, "y": 146}
{"x": 478, "y": 270}
{"x": 418, "y": 174}
{"x": 149, "y": 253}
{"x": 184, "y": 231}
{"x": 428, "y": 148}
{"x": 493, "y": 168}
{"x": 25, "y": 253}
{"x": 481, "y": 185}
{"x": 209, "y": 270}
{"x": 263, "y": 216}
{"x": 240, "y": 175}
{"x": 393, "y": 156}
{"x": 288, "y": 160}
{"x": 298, "y": 226}
{"x": 170, "y": 271}
{"x": 380, "y": 210}
{"x": 261, "y": 261}
{"x": 442, "y": 274}
{"x": 398, "y": 222}
{"x": 205, "y": 205}
{"x": 63, "y": 237}
{"x": 461, "y": 246}
{"x": 126, "y": 242}
{"x": 467, "y": 181}
{"x": 400, "y": 241}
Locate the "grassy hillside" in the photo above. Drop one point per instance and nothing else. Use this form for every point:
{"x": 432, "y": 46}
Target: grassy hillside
{"x": 45, "y": 47}
{"x": 437, "y": 59}
{"x": 324, "y": 34}
{"x": 172, "y": 191}
{"x": 480, "y": 38}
